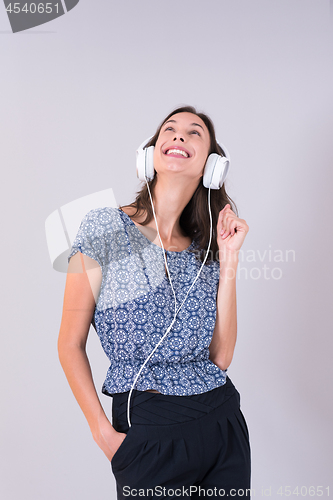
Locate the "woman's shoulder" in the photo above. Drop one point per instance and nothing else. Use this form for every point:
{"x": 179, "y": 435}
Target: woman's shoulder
{"x": 101, "y": 223}
{"x": 103, "y": 216}
{"x": 130, "y": 210}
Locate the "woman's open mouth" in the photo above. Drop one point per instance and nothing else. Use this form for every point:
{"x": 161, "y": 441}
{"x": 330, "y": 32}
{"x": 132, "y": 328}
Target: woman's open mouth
{"x": 177, "y": 153}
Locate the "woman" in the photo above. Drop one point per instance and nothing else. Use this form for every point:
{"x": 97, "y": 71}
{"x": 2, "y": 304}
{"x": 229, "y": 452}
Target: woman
{"x": 177, "y": 426}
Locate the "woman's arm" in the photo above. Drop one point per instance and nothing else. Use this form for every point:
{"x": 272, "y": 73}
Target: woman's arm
{"x": 225, "y": 332}
{"x": 82, "y": 286}
{"x": 231, "y": 232}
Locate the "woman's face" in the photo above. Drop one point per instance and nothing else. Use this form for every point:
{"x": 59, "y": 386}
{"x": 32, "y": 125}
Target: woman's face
{"x": 182, "y": 145}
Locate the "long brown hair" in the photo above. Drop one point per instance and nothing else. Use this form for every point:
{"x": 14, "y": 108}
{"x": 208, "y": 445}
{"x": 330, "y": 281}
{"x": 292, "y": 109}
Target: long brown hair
{"x": 194, "y": 220}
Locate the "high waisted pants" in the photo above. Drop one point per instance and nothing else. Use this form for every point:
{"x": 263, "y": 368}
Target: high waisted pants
{"x": 182, "y": 446}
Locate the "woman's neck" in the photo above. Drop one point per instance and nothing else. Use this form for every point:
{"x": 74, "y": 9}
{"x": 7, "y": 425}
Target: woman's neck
{"x": 169, "y": 203}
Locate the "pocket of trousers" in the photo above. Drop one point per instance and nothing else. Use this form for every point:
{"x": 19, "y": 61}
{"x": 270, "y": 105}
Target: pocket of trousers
{"x": 242, "y": 421}
{"x": 122, "y": 446}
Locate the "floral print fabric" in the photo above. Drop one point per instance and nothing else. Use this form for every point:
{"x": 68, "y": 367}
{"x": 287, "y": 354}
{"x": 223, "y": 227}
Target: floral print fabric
{"x": 136, "y": 305}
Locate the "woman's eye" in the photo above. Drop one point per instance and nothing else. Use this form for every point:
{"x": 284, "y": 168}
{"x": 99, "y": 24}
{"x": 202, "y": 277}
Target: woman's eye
{"x": 192, "y": 131}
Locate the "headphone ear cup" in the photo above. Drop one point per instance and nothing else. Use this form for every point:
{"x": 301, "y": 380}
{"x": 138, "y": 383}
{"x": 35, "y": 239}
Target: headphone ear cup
{"x": 150, "y": 162}
{"x": 216, "y": 171}
{"x": 145, "y": 163}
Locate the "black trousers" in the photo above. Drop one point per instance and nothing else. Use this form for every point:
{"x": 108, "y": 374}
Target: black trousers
{"x": 182, "y": 446}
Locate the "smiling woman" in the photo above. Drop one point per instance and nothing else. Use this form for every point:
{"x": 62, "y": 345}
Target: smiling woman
{"x": 198, "y": 130}
{"x": 170, "y": 338}
{"x": 171, "y": 141}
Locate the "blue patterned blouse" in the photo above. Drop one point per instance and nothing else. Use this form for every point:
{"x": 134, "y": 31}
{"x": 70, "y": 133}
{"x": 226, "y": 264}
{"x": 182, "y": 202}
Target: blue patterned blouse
{"x": 136, "y": 305}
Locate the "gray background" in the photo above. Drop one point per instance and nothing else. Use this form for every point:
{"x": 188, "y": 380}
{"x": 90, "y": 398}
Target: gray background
{"x": 78, "y": 95}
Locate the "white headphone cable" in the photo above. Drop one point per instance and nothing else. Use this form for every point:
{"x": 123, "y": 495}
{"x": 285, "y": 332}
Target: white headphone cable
{"x": 176, "y": 312}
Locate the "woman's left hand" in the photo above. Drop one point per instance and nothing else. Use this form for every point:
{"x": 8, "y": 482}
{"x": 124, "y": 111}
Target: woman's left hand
{"x": 233, "y": 230}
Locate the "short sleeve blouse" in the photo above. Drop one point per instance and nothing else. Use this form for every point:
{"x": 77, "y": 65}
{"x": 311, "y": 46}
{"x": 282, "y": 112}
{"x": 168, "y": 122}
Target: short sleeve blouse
{"x": 136, "y": 305}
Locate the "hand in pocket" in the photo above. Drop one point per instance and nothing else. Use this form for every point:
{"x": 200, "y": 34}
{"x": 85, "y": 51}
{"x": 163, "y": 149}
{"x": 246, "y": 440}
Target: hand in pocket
{"x": 108, "y": 439}
{"x": 117, "y": 441}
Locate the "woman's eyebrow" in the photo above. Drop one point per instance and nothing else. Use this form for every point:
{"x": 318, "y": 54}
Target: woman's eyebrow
{"x": 192, "y": 124}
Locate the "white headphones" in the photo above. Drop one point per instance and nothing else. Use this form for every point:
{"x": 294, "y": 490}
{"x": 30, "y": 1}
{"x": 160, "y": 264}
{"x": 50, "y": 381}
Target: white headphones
{"x": 215, "y": 173}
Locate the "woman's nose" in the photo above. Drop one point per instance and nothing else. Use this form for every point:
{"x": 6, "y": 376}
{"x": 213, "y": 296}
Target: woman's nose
{"x": 180, "y": 137}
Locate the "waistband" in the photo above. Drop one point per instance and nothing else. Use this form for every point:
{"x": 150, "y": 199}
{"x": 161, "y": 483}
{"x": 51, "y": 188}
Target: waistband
{"x": 151, "y": 409}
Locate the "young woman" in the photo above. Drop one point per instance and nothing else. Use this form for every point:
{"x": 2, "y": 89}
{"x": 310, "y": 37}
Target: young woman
{"x": 165, "y": 312}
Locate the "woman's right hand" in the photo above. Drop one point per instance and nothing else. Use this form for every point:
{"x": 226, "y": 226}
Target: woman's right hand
{"x": 107, "y": 438}
{"x": 82, "y": 285}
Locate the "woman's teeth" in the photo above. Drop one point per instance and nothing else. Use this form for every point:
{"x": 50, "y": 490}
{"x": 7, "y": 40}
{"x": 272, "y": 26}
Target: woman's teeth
{"x": 177, "y": 151}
